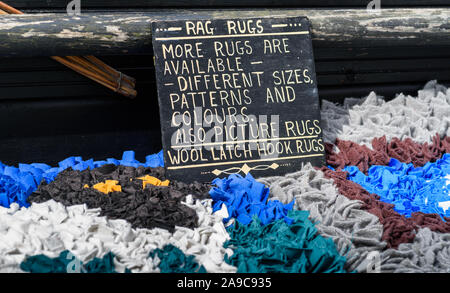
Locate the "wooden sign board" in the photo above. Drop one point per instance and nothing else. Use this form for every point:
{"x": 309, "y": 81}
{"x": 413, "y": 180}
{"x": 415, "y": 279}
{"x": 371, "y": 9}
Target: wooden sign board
{"x": 237, "y": 96}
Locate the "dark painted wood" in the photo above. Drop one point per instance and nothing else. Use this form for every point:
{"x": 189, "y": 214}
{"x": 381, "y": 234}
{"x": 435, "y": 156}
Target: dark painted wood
{"x": 389, "y": 91}
{"x": 36, "y": 4}
{"x": 37, "y": 78}
{"x": 51, "y": 149}
{"x": 61, "y": 35}
{"x": 129, "y": 33}
{"x": 381, "y": 53}
{"x": 49, "y": 130}
{"x": 80, "y": 115}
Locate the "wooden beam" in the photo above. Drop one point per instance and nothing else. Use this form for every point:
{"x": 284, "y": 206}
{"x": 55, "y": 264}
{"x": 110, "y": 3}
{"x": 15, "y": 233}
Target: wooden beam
{"x": 51, "y": 4}
{"x": 130, "y": 33}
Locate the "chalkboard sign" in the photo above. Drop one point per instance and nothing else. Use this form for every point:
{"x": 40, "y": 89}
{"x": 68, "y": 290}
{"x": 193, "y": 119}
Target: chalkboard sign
{"x": 237, "y": 96}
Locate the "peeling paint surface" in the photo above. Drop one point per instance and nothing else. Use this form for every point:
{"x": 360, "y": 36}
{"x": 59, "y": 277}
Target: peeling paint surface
{"x": 8, "y": 25}
{"x": 120, "y": 36}
{"x": 109, "y": 33}
{"x": 64, "y": 34}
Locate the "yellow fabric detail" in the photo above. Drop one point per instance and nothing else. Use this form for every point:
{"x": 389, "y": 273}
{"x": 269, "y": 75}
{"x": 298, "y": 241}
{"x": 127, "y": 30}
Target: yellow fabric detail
{"x": 147, "y": 179}
{"x": 108, "y": 186}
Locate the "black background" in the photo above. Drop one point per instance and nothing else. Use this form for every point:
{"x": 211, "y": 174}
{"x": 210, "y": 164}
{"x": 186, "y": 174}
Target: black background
{"x": 282, "y": 282}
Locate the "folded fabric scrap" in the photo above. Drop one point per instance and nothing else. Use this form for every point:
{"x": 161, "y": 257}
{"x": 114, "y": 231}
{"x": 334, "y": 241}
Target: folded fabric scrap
{"x": 246, "y": 197}
{"x": 282, "y": 248}
{"x": 173, "y": 260}
{"x": 147, "y": 179}
{"x": 107, "y": 186}
{"x": 16, "y": 184}
{"x": 112, "y": 185}
{"x": 423, "y": 189}
{"x": 68, "y": 263}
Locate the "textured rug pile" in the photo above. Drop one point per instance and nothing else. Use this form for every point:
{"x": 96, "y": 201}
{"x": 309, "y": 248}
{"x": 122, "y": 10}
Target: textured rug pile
{"x": 382, "y": 204}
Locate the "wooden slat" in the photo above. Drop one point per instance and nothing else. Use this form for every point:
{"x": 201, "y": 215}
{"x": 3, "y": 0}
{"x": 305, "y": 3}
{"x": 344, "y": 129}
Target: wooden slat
{"x": 31, "y": 64}
{"x": 37, "y": 78}
{"x": 56, "y": 76}
{"x": 49, "y": 77}
{"x": 35, "y": 4}
{"x": 388, "y": 91}
{"x": 139, "y": 63}
{"x": 49, "y": 130}
{"x": 383, "y": 65}
{"x": 51, "y": 149}
{"x": 148, "y": 90}
{"x": 46, "y": 117}
{"x": 383, "y": 53}
{"x": 382, "y": 78}
{"x": 130, "y": 33}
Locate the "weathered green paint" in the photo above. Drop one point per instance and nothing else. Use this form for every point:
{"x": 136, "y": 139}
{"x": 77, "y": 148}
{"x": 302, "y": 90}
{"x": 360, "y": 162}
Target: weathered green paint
{"x": 118, "y": 33}
{"x": 61, "y": 4}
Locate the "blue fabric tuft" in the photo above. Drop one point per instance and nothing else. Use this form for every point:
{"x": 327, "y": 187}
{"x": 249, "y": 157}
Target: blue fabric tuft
{"x": 246, "y": 197}
{"x": 16, "y": 184}
{"x": 424, "y": 189}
